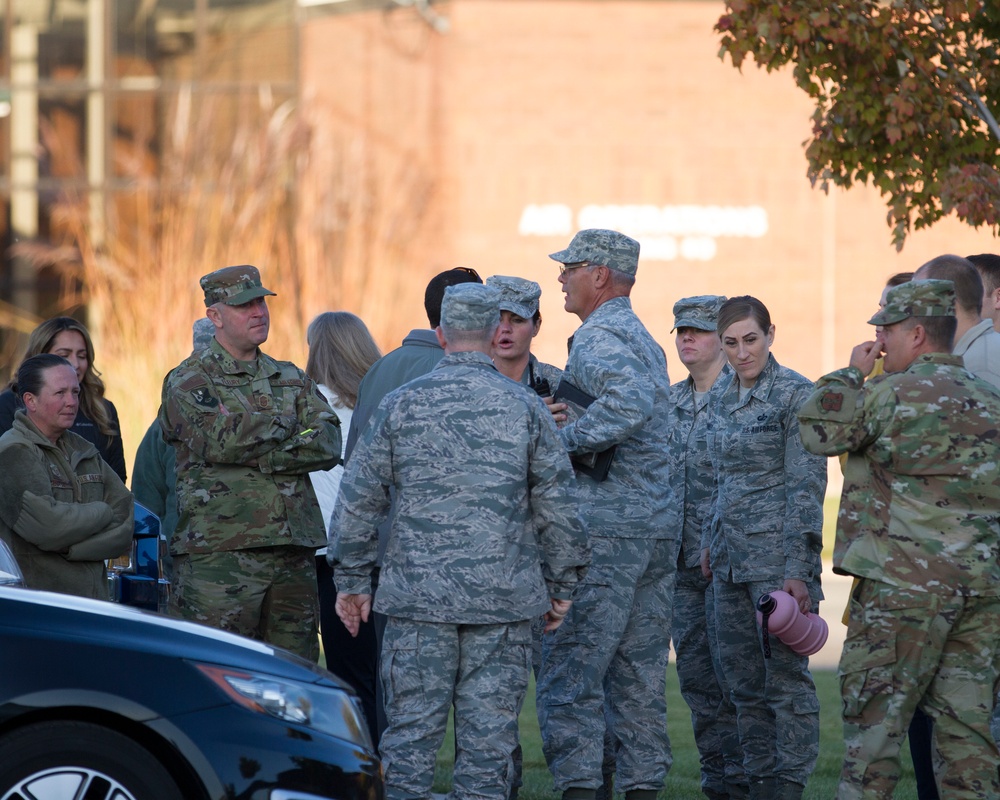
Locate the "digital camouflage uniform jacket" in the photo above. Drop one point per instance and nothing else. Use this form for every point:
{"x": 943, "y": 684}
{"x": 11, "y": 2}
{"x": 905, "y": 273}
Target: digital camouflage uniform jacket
{"x": 767, "y": 516}
{"x": 692, "y": 480}
{"x": 484, "y": 497}
{"x": 920, "y": 507}
{"x": 614, "y": 359}
{"x": 243, "y": 476}
{"x": 63, "y": 510}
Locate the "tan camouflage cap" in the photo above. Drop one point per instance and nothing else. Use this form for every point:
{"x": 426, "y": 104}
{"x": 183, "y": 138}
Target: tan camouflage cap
{"x": 930, "y": 298}
{"x": 699, "y": 312}
{"x": 233, "y": 286}
{"x": 517, "y": 295}
{"x": 603, "y": 247}
{"x": 470, "y": 307}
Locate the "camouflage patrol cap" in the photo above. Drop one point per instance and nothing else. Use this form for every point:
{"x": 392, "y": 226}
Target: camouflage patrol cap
{"x": 930, "y": 298}
{"x": 470, "y": 307}
{"x": 517, "y": 295}
{"x": 699, "y": 312}
{"x": 233, "y": 286}
{"x": 602, "y": 247}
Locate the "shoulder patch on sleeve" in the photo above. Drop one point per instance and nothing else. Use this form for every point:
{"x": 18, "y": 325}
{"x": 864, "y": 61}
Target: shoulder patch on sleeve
{"x": 831, "y": 401}
{"x": 203, "y": 396}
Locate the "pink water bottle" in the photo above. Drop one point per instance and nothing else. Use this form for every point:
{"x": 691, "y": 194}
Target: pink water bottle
{"x": 778, "y": 613}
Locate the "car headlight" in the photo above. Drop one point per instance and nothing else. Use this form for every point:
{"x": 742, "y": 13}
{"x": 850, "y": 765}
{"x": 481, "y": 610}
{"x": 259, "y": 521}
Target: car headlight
{"x": 328, "y": 710}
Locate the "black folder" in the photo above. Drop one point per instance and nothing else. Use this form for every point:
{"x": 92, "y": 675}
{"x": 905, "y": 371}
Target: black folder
{"x": 593, "y": 465}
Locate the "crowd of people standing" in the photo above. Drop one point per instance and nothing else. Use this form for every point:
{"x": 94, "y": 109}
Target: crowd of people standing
{"x": 455, "y": 514}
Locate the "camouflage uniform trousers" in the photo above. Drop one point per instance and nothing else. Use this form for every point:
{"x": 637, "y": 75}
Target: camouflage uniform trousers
{"x": 906, "y": 649}
{"x": 264, "y": 593}
{"x": 703, "y": 686}
{"x": 777, "y": 710}
{"x": 428, "y": 667}
{"x": 613, "y": 649}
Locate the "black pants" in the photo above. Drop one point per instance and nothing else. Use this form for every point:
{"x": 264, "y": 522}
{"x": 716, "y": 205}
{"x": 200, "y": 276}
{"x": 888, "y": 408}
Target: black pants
{"x": 352, "y": 659}
{"x": 919, "y": 735}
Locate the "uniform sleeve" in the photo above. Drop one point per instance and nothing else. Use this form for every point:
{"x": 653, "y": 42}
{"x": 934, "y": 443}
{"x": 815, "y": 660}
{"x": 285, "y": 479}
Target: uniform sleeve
{"x": 190, "y": 412}
{"x": 362, "y": 505}
{"x": 554, "y": 510}
{"x": 316, "y": 445}
{"x": 842, "y": 413}
{"x": 115, "y": 538}
{"x": 28, "y": 508}
{"x": 805, "y": 488}
{"x": 149, "y": 478}
{"x": 622, "y": 385}
{"x": 112, "y": 448}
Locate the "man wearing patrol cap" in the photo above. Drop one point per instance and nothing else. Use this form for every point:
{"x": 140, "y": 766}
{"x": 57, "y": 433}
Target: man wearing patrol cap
{"x": 485, "y": 537}
{"x": 617, "y": 635}
{"x": 699, "y": 673}
{"x": 918, "y": 526}
{"x": 247, "y": 431}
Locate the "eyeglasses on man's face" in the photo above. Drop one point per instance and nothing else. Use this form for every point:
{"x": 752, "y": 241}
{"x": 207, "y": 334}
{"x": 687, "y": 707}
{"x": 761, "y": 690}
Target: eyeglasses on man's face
{"x": 564, "y": 268}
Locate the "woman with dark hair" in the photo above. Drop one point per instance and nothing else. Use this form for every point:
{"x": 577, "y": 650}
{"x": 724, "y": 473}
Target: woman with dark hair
{"x": 341, "y": 350}
{"x": 97, "y": 419}
{"x": 63, "y": 510}
{"x": 765, "y": 535}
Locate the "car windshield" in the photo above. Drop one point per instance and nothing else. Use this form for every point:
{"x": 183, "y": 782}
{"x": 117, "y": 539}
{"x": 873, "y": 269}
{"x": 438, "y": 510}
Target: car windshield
{"x": 10, "y": 572}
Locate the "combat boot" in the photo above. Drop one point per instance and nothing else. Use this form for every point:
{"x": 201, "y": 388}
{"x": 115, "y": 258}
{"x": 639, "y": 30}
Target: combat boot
{"x": 788, "y": 790}
{"x": 762, "y": 789}
{"x": 712, "y": 794}
{"x": 641, "y": 794}
{"x": 579, "y": 793}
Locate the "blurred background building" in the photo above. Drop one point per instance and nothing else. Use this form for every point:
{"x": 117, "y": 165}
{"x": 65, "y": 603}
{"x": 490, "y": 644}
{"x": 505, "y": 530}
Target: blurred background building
{"x": 353, "y": 148}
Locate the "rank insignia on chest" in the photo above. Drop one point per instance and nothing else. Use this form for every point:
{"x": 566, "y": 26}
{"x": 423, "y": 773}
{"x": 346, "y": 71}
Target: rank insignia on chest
{"x": 831, "y": 401}
{"x": 203, "y": 397}
{"x": 264, "y": 401}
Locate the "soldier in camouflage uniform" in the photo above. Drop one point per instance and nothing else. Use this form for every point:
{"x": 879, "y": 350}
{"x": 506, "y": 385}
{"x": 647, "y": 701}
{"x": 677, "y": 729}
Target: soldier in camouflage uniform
{"x": 699, "y": 672}
{"x": 484, "y": 538}
{"x": 618, "y": 627}
{"x": 918, "y": 524}
{"x": 247, "y": 431}
{"x": 765, "y": 534}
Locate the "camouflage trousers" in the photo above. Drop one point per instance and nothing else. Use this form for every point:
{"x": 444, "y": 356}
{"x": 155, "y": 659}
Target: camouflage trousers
{"x": 777, "y": 710}
{"x": 265, "y": 593}
{"x": 429, "y": 667}
{"x": 907, "y": 649}
{"x": 612, "y": 648}
{"x": 703, "y": 686}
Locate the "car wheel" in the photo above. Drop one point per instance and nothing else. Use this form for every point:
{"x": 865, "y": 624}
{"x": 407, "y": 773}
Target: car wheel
{"x": 67, "y": 760}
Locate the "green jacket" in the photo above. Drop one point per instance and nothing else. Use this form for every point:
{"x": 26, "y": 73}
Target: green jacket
{"x": 63, "y": 510}
{"x": 243, "y": 472}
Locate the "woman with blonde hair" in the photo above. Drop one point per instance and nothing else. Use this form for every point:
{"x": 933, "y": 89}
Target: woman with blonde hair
{"x": 97, "y": 418}
{"x": 341, "y": 350}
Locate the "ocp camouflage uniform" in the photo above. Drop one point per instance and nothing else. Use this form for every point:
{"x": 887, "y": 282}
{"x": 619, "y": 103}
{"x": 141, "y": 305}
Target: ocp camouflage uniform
{"x": 766, "y": 528}
{"x": 485, "y": 532}
{"x": 702, "y": 682}
{"x": 243, "y": 493}
{"x": 918, "y": 523}
{"x": 618, "y": 626}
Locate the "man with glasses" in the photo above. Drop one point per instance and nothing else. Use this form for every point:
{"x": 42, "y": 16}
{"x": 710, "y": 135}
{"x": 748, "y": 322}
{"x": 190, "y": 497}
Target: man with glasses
{"x": 617, "y": 633}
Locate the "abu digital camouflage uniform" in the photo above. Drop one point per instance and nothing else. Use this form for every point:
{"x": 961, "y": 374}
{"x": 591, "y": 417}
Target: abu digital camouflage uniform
{"x": 766, "y": 527}
{"x": 247, "y": 513}
{"x": 699, "y": 673}
{"x": 614, "y": 644}
{"x": 918, "y": 523}
{"x": 484, "y": 533}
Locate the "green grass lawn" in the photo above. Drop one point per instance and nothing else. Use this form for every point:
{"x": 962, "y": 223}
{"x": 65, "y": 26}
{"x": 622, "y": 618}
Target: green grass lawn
{"x": 683, "y": 782}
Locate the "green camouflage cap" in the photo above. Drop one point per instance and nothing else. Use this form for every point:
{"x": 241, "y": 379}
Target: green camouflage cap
{"x": 699, "y": 312}
{"x": 202, "y": 333}
{"x": 602, "y": 247}
{"x": 470, "y": 307}
{"x": 930, "y": 298}
{"x": 233, "y": 286}
{"x": 517, "y": 295}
